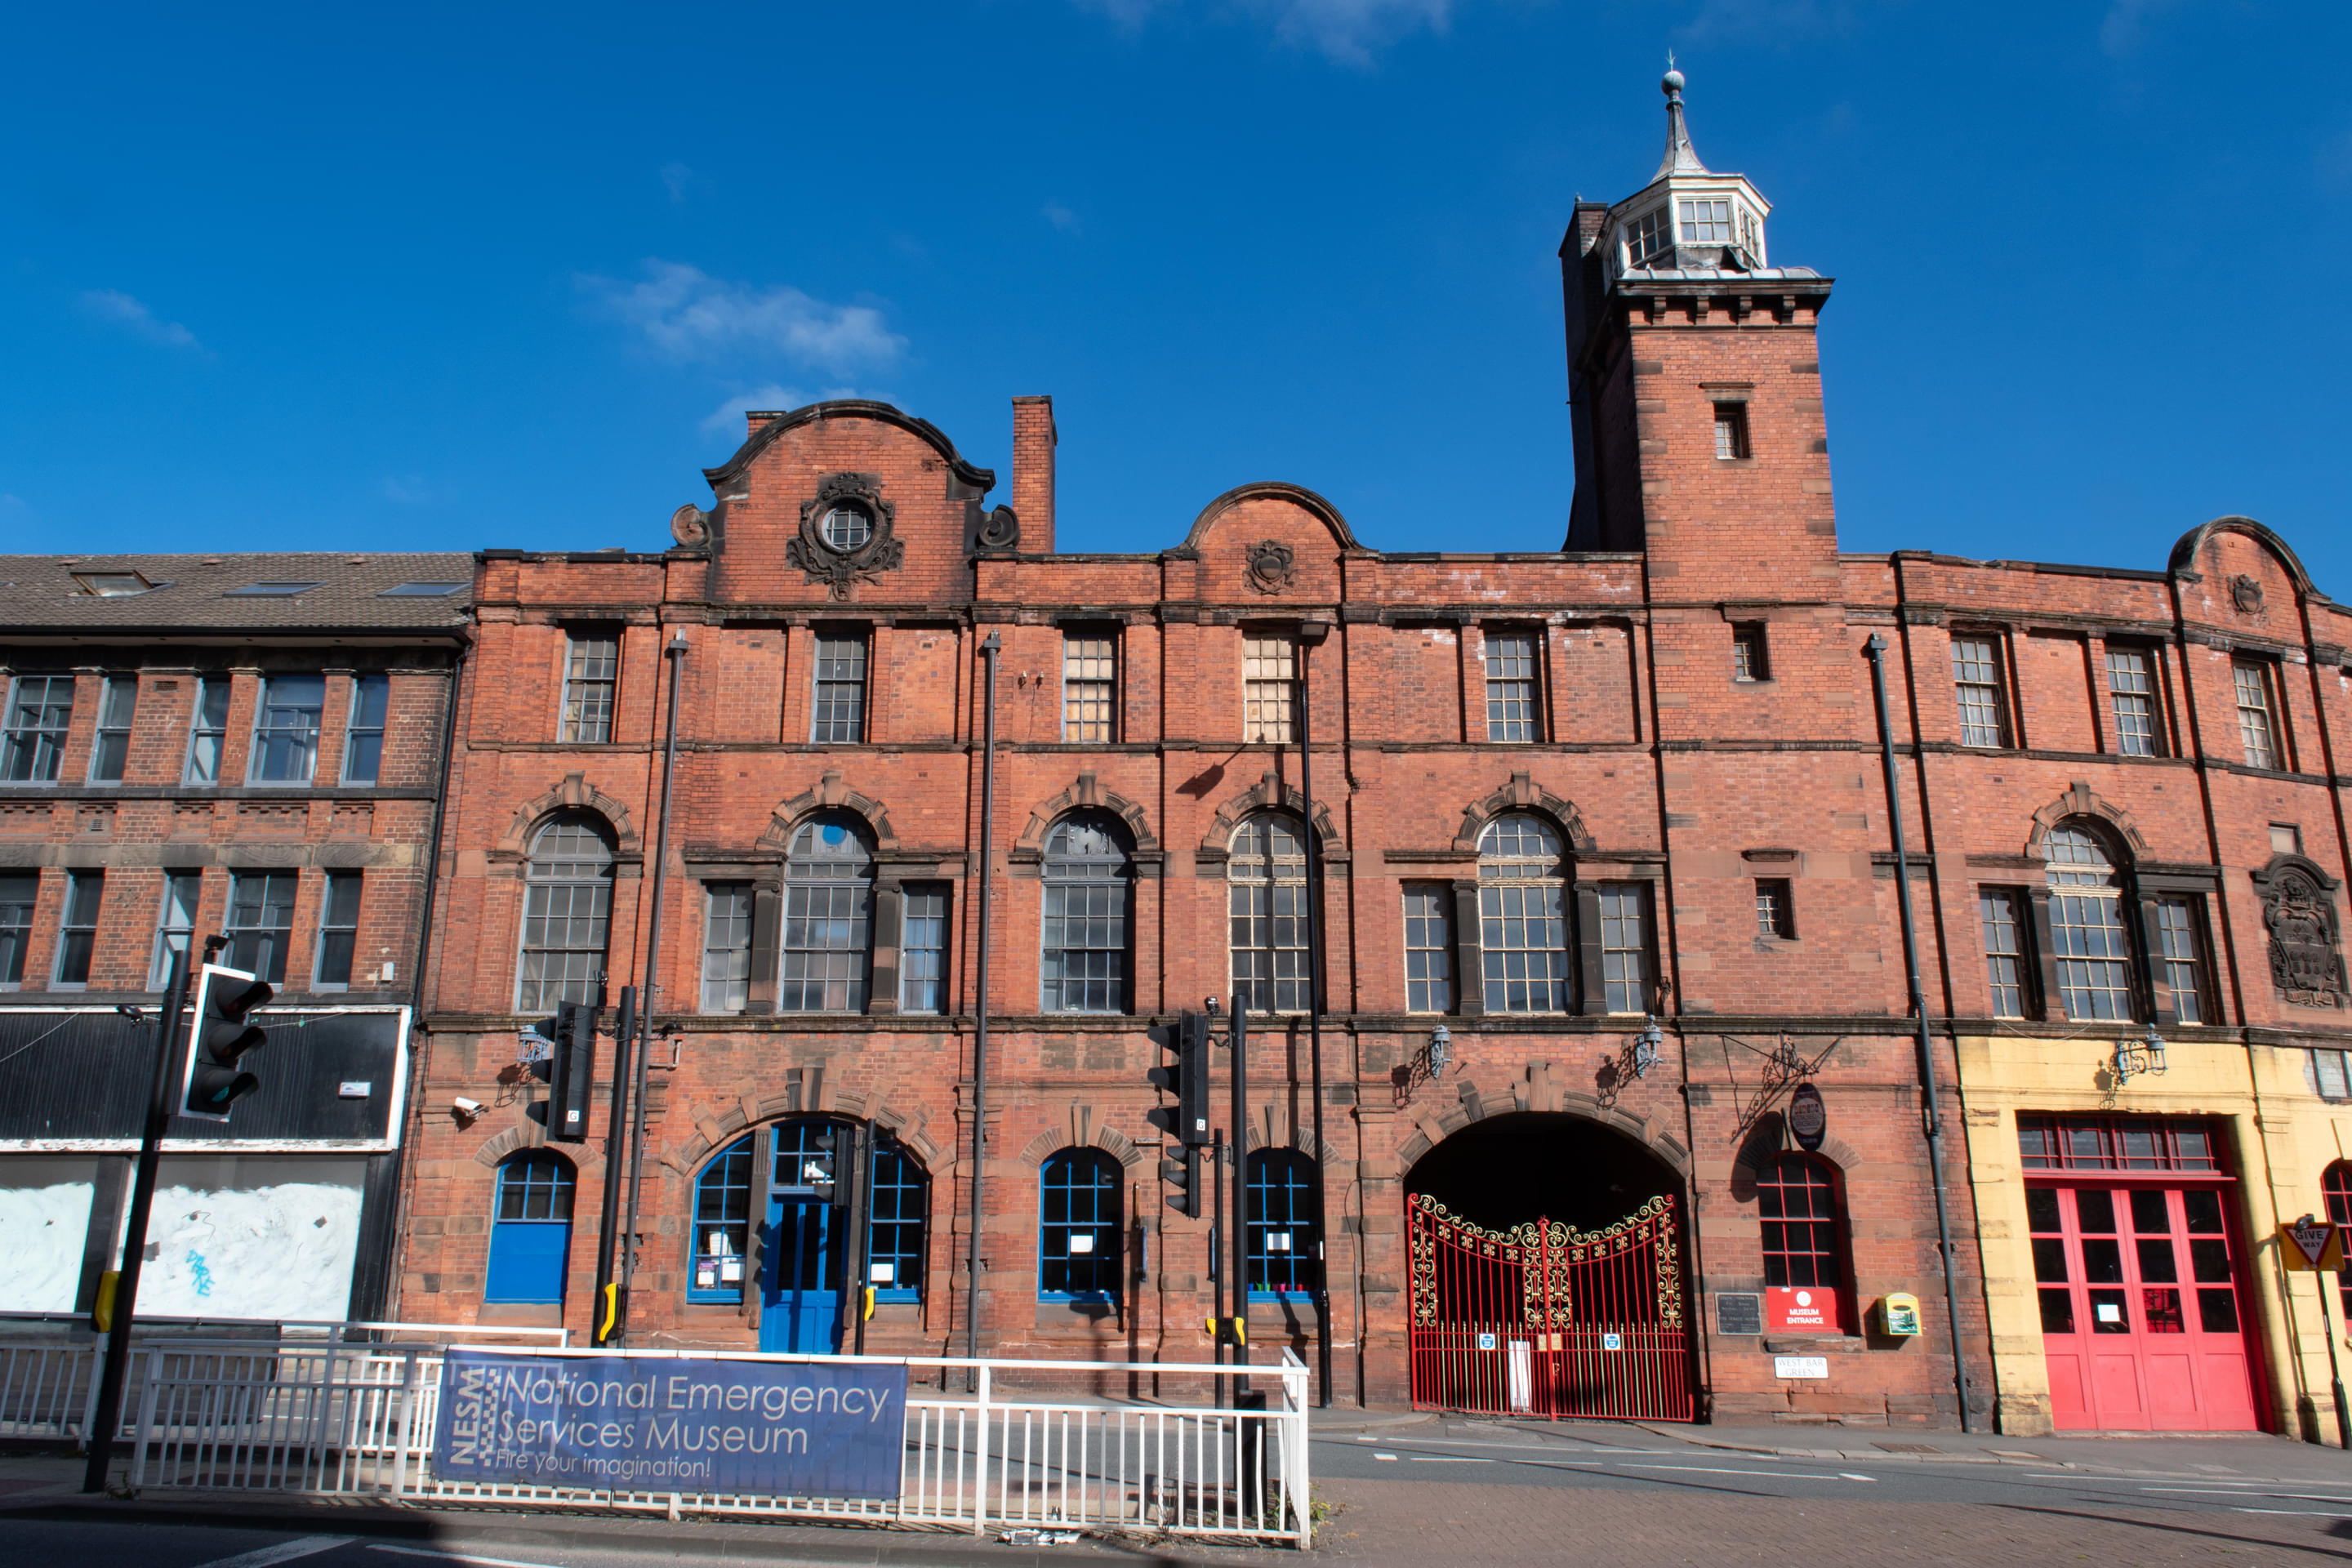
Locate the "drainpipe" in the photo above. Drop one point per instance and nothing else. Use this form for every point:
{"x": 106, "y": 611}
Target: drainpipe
{"x": 1935, "y": 1128}
{"x": 1311, "y": 635}
{"x": 989, "y": 647}
{"x": 676, "y": 653}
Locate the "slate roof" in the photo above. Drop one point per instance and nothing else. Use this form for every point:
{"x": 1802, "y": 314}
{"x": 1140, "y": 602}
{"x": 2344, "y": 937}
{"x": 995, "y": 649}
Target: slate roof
{"x": 195, "y": 593}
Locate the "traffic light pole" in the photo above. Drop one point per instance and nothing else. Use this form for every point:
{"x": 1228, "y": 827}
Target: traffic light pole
{"x": 607, "y": 1307}
{"x": 1310, "y": 638}
{"x": 676, "y": 653}
{"x": 1216, "y": 1272}
{"x": 108, "y": 1414}
{"x": 1240, "y": 1249}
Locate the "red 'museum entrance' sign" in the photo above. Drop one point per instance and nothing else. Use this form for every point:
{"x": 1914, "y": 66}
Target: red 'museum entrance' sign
{"x": 1801, "y": 1309}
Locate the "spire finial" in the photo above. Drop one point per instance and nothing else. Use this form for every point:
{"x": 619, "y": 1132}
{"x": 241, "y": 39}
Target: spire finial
{"x": 1680, "y": 157}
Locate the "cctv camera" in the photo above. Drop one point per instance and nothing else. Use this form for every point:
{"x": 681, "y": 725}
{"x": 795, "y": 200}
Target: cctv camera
{"x": 467, "y": 1108}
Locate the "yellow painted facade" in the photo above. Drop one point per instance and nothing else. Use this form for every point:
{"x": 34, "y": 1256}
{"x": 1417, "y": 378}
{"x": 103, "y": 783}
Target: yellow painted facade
{"x": 2277, "y": 1137}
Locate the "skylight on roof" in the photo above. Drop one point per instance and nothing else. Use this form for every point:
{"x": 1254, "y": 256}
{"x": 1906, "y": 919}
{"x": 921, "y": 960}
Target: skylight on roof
{"x": 270, "y": 590}
{"x": 422, "y": 591}
{"x": 112, "y": 584}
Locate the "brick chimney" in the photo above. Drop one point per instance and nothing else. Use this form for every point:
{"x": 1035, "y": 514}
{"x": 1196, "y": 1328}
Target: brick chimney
{"x": 1033, "y": 470}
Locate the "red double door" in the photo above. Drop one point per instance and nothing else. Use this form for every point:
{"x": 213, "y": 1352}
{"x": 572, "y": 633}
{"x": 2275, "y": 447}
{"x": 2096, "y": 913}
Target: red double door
{"x": 2143, "y": 1319}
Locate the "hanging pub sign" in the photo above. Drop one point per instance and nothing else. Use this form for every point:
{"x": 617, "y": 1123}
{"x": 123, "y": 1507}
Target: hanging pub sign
{"x": 1808, "y": 1118}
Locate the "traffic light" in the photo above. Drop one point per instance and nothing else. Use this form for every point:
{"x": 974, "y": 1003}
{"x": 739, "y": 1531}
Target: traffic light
{"x": 223, "y": 1031}
{"x": 1187, "y": 1079}
{"x": 1181, "y": 1171}
{"x": 568, "y": 1067}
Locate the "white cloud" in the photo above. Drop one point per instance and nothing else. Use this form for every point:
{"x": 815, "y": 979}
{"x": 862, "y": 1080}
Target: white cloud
{"x": 682, "y": 182}
{"x": 728, "y": 417}
{"x": 1345, "y": 31}
{"x": 2125, "y": 27}
{"x": 408, "y": 490}
{"x": 687, "y": 314}
{"x": 1061, "y": 217}
{"x": 112, "y": 305}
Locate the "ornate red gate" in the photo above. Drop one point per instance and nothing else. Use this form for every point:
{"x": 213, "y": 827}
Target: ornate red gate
{"x": 1541, "y": 1320}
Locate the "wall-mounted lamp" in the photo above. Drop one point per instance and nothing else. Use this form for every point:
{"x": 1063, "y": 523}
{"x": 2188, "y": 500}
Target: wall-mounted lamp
{"x": 2145, "y": 1055}
{"x": 1441, "y": 1046}
{"x": 1645, "y": 1046}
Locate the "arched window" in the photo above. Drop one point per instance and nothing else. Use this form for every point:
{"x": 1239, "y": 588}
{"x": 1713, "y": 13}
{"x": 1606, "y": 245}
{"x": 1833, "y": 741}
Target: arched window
{"x": 1523, "y": 916}
{"x": 2338, "y": 1185}
{"x": 567, "y": 913}
{"x": 722, "y": 1222}
{"x": 1285, "y": 1230}
{"x": 897, "y": 1207}
{"x": 530, "y": 1232}
{"x": 1079, "y": 1239}
{"x": 828, "y": 899}
{"x": 2087, "y": 933}
{"x": 1267, "y": 899}
{"x": 1089, "y": 879}
{"x": 1796, "y": 1199}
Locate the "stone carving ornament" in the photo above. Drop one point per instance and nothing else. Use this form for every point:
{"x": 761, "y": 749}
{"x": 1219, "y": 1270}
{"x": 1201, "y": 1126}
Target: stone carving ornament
{"x": 835, "y": 567}
{"x": 1271, "y": 565}
{"x": 2246, "y": 593}
{"x": 2299, "y": 912}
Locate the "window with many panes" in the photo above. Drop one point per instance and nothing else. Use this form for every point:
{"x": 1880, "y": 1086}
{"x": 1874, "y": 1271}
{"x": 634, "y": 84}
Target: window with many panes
{"x": 828, "y": 917}
{"x": 1511, "y": 702}
{"x": 1088, "y": 883}
{"x": 1731, "y": 431}
{"x": 2086, "y": 927}
{"x": 1796, "y": 1199}
{"x": 109, "y": 750}
{"x": 364, "y": 738}
{"x": 1269, "y": 688}
{"x": 208, "y": 729}
{"x": 1750, "y": 653}
{"x": 1776, "y": 908}
{"x": 726, "y": 946}
{"x": 286, "y": 728}
{"x": 896, "y": 1208}
{"x": 1090, "y": 685}
{"x": 837, "y": 713}
{"x": 2131, "y": 682}
{"x": 1977, "y": 680}
{"x": 923, "y": 948}
{"x": 176, "y": 921}
{"x": 1651, "y": 235}
{"x": 567, "y": 915}
{"x": 40, "y": 709}
{"x": 2180, "y": 933}
{"x": 592, "y": 679}
{"x": 77, "y": 930}
{"x": 2338, "y": 1186}
{"x": 1266, "y": 907}
{"x": 1705, "y": 220}
{"x": 1522, "y": 916}
{"x": 18, "y": 894}
{"x": 1079, "y": 1247}
{"x": 2257, "y": 714}
{"x": 2002, "y": 911}
{"x": 722, "y": 1218}
{"x": 1626, "y": 947}
{"x": 339, "y": 931}
{"x": 260, "y": 924}
{"x": 1428, "y": 948}
{"x": 1285, "y": 1239}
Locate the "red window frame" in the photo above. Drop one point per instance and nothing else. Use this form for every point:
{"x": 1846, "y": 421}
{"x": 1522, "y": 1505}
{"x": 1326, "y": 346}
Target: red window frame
{"x": 2337, "y": 1183}
{"x": 2119, "y": 1146}
{"x": 1819, "y": 1224}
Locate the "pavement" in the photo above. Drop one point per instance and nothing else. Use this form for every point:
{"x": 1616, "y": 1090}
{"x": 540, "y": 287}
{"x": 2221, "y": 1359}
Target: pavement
{"x": 1392, "y": 1488}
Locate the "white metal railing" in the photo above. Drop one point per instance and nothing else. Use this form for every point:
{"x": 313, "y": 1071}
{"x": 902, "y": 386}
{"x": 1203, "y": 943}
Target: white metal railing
{"x": 358, "y": 1420}
{"x": 48, "y": 1387}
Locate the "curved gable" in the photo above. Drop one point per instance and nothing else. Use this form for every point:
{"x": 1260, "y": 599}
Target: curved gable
{"x": 2198, "y": 540}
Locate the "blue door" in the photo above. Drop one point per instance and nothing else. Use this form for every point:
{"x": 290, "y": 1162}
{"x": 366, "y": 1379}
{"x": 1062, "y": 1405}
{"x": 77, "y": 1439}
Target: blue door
{"x": 531, "y": 1235}
{"x": 800, "y": 1284}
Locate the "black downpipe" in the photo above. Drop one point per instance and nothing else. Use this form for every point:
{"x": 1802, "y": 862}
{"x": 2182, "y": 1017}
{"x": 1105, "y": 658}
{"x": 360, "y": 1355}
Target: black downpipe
{"x": 989, "y": 647}
{"x": 1935, "y": 1128}
{"x": 607, "y": 1321}
{"x": 1310, "y": 636}
{"x": 676, "y": 653}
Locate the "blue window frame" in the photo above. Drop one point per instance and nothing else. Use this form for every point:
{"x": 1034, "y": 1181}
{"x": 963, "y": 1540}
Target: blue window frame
{"x": 531, "y": 1235}
{"x": 1286, "y": 1226}
{"x": 897, "y": 1210}
{"x": 1078, "y": 1250}
{"x": 722, "y": 1224}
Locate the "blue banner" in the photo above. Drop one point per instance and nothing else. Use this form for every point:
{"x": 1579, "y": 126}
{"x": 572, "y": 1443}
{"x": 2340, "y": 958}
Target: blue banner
{"x": 684, "y": 1424}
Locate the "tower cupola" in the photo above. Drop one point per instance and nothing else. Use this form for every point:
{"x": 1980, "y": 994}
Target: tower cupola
{"x": 1688, "y": 219}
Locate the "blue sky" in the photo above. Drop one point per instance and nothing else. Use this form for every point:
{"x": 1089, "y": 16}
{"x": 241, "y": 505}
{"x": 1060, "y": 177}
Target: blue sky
{"x": 454, "y": 277}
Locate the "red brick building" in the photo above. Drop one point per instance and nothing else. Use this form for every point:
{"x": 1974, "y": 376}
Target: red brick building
{"x": 1555, "y": 795}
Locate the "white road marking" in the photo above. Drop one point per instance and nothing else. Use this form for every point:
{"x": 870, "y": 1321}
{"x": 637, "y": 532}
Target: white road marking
{"x": 1383, "y": 1456}
{"x": 284, "y": 1551}
{"x": 1719, "y": 1471}
{"x": 1848, "y": 1475}
{"x": 2295, "y": 1513}
{"x": 2217, "y": 1492}
{"x": 459, "y": 1557}
{"x": 1453, "y": 1459}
